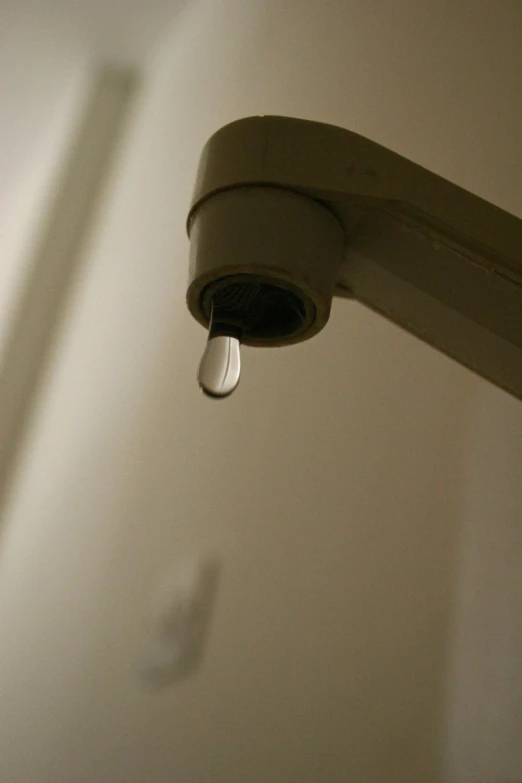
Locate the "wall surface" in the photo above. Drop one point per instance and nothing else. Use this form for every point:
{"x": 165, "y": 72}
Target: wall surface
{"x": 46, "y": 54}
{"x": 342, "y": 486}
{"x": 485, "y": 694}
{"x": 42, "y": 87}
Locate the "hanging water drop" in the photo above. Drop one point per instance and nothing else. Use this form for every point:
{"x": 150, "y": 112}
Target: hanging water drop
{"x": 220, "y": 366}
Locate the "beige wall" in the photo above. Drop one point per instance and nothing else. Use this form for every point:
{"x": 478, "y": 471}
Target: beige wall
{"x": 42, "y": 88}
{"x": 334, "y": 486}
{"x": 485, "y": 694}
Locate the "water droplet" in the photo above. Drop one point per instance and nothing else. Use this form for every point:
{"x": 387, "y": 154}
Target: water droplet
{"x": 220, "y": 366}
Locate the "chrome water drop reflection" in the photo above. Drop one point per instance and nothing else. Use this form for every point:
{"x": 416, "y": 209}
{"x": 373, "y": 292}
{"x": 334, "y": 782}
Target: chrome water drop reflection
{"x": 220, "y": 366}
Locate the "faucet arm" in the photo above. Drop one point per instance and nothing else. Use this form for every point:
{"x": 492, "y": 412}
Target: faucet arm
{"x": 432, "y": 257}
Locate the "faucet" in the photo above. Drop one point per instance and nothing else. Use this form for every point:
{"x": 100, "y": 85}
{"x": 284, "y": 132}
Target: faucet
{"x": 288, "y": 213}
